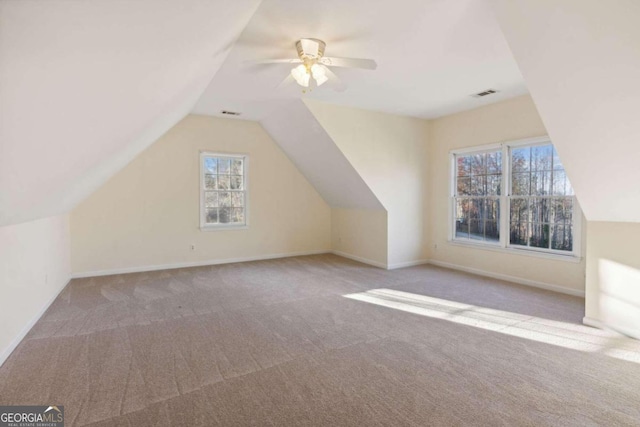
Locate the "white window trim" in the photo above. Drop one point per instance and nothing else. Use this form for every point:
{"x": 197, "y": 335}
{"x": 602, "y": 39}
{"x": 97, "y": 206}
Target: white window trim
{"x": 503, "y": 245}
{"x": 204, "y": 226}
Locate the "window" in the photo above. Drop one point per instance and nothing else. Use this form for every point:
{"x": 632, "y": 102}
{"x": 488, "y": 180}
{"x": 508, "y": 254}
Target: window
{"x": 223, "y": 190}
{"x": 514, "y": 195}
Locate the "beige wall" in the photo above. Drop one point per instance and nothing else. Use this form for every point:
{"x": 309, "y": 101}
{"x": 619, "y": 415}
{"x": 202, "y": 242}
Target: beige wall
{"x": 388, "y": 151}
{"x": 360, "y": 234}
{"x": 509, "y": 120}
{"x": 34, "y": 267}
{"x": 148, "y": 214}
{"x": 613, "y": 276}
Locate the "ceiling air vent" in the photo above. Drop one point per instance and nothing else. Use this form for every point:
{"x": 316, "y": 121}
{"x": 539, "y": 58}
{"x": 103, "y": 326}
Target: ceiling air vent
{"x": 230, "y": 113}
{"x": 484, "y": 93}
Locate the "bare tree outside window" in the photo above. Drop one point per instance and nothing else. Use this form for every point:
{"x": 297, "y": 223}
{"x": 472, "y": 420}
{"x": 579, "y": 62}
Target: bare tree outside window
{"x": 537, "y": 195}
{"x": 223, "y": 190}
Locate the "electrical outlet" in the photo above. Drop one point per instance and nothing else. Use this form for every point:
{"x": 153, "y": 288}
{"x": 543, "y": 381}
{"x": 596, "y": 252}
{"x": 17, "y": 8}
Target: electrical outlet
{"x": 193, "y": 247}
{"x": 435, "y": 246}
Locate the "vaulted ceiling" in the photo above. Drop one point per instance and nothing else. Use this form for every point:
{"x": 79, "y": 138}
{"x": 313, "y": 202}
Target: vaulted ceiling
{"x": 87, "y": 85}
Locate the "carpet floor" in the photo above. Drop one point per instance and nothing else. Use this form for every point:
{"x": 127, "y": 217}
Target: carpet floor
{"x": 321, "y": 340}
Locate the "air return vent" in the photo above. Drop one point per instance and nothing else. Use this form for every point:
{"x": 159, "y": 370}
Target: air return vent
{"x": 230, "y": 113}
{"x": 484, "y": 93}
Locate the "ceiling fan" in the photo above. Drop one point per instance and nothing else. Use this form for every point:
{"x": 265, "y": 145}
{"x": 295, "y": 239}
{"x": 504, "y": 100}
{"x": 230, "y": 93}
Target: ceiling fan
{"x": 313, "y": 66}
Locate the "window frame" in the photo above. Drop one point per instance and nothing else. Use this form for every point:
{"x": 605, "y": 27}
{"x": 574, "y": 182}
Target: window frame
{"x": 204, "y": 226}
{"x": 504, "y": 245}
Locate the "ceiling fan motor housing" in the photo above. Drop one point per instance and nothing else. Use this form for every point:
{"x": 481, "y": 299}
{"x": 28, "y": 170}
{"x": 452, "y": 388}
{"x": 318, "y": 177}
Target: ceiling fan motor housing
{"x": 309, "y": 49}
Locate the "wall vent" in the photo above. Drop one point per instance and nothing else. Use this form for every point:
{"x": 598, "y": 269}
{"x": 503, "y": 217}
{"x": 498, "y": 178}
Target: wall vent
{"x": 484, "y": 93}
{"x": 230, "y": 113}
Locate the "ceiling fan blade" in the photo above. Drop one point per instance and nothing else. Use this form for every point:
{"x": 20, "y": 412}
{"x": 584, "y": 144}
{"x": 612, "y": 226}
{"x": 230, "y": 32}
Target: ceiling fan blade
{"x": 278, "y": 61}
{"x": 334, "y": 81}
{"x": 367, "y": 64}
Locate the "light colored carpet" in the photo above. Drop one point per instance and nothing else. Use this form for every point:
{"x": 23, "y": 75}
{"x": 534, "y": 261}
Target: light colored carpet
{"x": 321, "y": 340}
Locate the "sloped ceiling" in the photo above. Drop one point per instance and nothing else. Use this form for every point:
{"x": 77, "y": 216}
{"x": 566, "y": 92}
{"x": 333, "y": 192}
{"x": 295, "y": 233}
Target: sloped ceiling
{"x": 581, "y": 62}
{"x": 314, "y": 153}
{"x": 86, "y": 85}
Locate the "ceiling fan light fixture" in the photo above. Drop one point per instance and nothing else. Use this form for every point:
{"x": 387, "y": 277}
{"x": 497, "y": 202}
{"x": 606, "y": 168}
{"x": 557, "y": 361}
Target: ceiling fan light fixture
{"x": 301, "y": 75}
{"x": 319, "y": 74}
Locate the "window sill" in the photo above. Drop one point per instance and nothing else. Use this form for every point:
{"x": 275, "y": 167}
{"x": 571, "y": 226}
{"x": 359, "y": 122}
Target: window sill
{"x": 223, "y": 227}
{"x": 514, "y": 251}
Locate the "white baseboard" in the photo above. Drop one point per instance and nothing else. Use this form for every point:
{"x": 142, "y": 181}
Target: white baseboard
{"x": 192, "y": 264}
{"x": 360, "y": 259}
{"x": 514, "y": 279}
{"x": 589, "y": 321}
{"x": 25, "y": 330}
{"x": 407, "y": 264}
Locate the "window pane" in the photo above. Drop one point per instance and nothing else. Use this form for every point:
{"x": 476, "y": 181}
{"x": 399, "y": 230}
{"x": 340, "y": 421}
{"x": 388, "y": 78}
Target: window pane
{"x": 463, "y": 164}
{"x": 494, "y": 162}
{"x": 562, "y": 209}
{"x": 519, "y": 210}
{"x": 562, "y": 238}
{"x": 462, "y": 209}
{"x": 492, "y": 209}
{"x": 493, "y": 185}
{"x": 225, "y": 215}
{"x": 236, "y": 183}
{"x": 541, "y": 157}
{"x": 478, "y": 185}
{"x": 223, "y": 182}
{"x": 237, "y": 199}
{"x": 559, "y": 182}
{"x": 477, "y": 164}
{"x": 210, "y": 182}
{"x": 464, "y": 186}
{"x": 224, "y": 199}
{"x": 462, "y": 229}
{"x": 539, "y": 209}
{"x": 211, "y": 216}
{"x": 477, "y": 230}
{"x": 520, "y": 184}
{"x": 492, "y": 231}
{"x": 211, "y": 199}
{"x": 224, "y": 166}
{"x": 476, "y": 209}
{"x": 540, "y": 183}
{"x": 210, "y": 165}
{"x": 236, "y": 167}
{"x": 519, "y": 233}
{"x": 520, "y": 159}
{"x": 568, "y": 188}
{"x": 237, "y": 215}
{"x": 539, "y": 235}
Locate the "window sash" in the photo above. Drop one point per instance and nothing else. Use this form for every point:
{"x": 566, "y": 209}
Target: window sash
{"x": 204, "y": 173}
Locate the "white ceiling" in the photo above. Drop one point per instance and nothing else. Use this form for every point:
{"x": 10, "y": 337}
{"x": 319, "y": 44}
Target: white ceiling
{"x": 431, "y": 54}
{"x": 86, "y": 85}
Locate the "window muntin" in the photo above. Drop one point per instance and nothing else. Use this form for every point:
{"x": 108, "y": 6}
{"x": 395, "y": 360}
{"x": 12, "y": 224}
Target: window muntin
{"x": 223, "y": 198}
{"x": 478, "y": 183}
{"x": 522, "y": 188}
